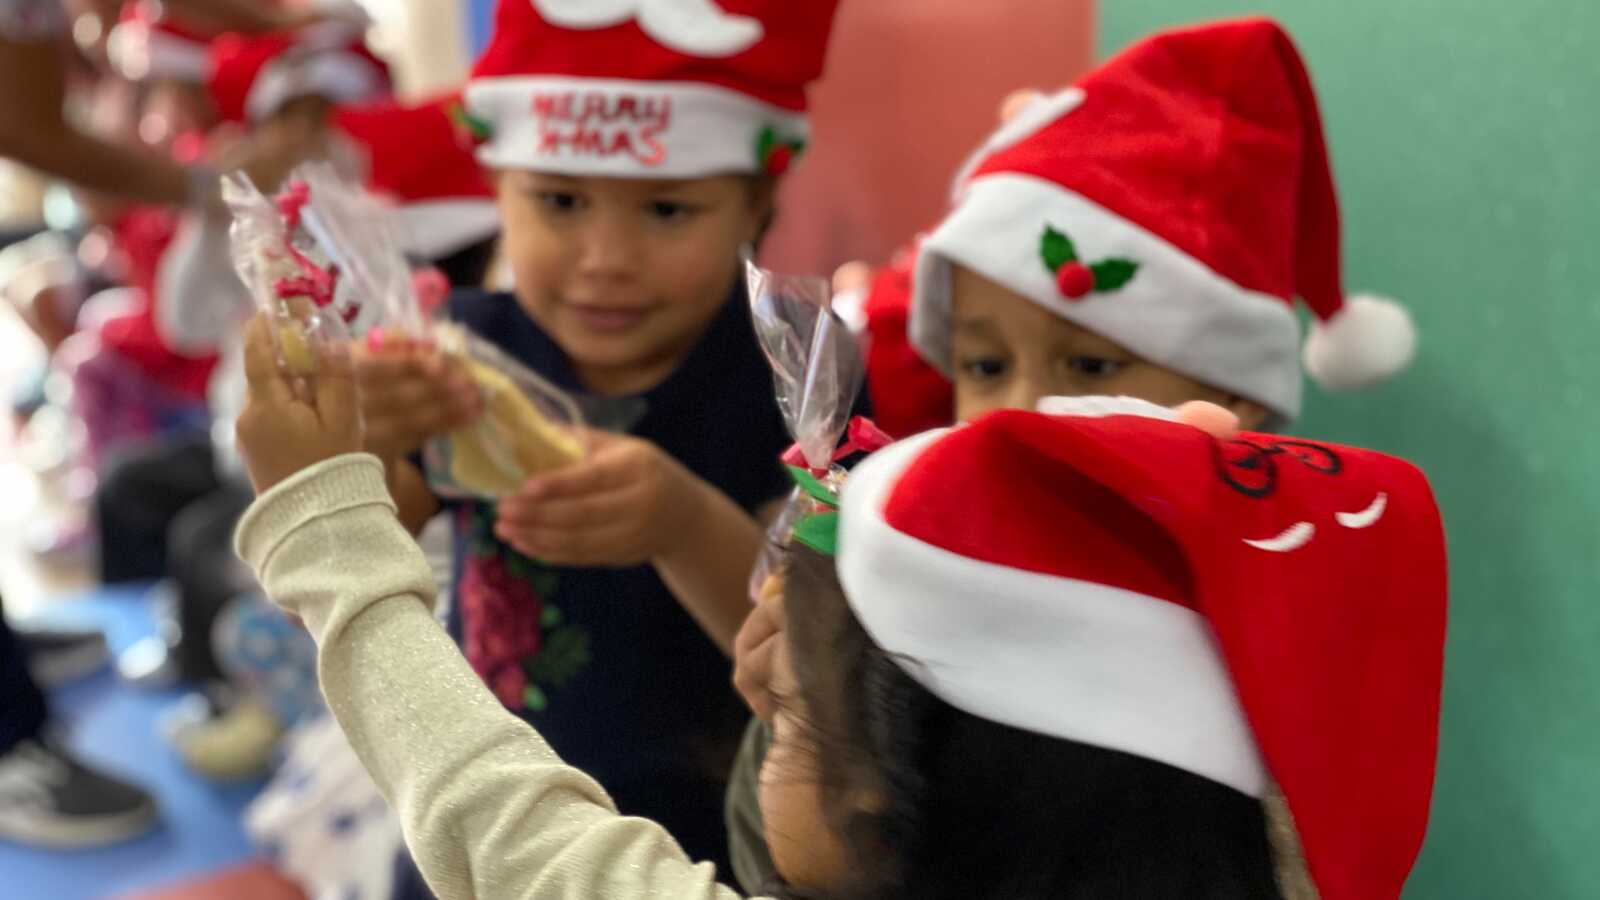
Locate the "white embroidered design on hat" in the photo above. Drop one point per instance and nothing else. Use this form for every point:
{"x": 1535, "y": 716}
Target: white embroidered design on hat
{"x": 1367, "y": 517}
{"x": 695, "y": 27}
{"x": 1293, "y": 538}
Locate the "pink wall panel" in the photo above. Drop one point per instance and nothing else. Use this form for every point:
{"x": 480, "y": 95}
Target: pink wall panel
{"x": 912, "y": 86}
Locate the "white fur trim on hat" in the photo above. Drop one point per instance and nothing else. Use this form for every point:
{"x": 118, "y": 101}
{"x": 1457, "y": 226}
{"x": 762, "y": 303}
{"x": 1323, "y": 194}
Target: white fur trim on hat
{"x": 1097, "y": 407}
{"x": 1368, "y": 340}
{"x": 1175, "y": 312}
{"x": 624, "y": 129}
{"x": 1066, "y": 658}
{"x": 139, "y": 53}
{"x": 340, "y": 77}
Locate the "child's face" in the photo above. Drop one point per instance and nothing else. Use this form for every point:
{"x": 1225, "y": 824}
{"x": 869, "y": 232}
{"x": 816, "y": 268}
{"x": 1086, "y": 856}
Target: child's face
{"x": 1009, "y": 352}
{"x": 625, "y": 274}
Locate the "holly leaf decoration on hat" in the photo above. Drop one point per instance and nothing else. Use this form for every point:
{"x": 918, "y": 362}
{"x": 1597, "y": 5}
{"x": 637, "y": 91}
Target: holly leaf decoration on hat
{"x": 1077, "y": 279}
{"x": 774, "y": 154}
{"x": 472, "y": 130}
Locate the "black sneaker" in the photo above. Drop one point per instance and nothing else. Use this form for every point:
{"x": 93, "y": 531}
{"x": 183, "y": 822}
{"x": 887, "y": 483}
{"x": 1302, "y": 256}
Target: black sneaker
{"x": 58, "y": 656}
{"x": 50, "y": 799}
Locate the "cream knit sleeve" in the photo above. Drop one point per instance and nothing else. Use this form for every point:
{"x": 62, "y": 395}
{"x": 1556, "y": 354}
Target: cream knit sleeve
{"x": 489, "y": 811}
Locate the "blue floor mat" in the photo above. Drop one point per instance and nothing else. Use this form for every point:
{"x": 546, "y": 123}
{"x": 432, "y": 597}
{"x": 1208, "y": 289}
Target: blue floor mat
{"x": 117, "y": 726}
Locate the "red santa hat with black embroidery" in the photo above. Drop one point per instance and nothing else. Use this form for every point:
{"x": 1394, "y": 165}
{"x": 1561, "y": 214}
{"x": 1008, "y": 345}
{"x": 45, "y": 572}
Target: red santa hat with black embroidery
{"x": 418, "y": 159}
{"x": 1248, "y": 609}
{"x": 648, "y": 88}
{"x": 254, "y": 76}
{"x": 1176, "y": 201}
{"x": 150, "y": 44}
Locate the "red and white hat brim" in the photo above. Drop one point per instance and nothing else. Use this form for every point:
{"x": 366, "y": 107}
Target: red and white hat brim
{"x": 139, "y": 52}
{"x": 1061, "y": 657}
{"x": 620, "y": 128}
{"x": 339, "y": 77}
{"x": 1176, "y": 312}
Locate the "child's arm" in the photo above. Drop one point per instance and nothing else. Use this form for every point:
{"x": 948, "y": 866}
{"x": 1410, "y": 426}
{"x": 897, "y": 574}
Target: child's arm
{"x": 709, "y": 571}
{"x": 488, "y": 809}
{"x": 631, "y": 503}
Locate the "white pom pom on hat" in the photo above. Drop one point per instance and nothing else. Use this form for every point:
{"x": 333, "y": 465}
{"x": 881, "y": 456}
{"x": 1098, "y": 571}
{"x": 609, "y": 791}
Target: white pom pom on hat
{"x": 1369, "y": 340}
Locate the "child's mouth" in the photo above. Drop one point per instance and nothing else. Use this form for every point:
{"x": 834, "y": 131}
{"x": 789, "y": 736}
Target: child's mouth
{"x": 608, "y": 319}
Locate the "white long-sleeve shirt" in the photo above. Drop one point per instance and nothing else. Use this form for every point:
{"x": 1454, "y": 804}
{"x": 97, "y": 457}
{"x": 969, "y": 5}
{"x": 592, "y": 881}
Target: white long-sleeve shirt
{"x": 488, "y": 809}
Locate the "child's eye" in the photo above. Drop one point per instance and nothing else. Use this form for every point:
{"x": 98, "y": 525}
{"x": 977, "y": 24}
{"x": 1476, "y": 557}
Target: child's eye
{"x": 671, "y": 211}
{"x": 559, "y": 201}
{"x": 983, "y": 368}
{"x": 1094, "y": 366}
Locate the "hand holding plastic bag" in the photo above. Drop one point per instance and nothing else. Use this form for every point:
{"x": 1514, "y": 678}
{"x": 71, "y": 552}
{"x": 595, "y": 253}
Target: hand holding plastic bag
{"x": 325, "y": 266}
{"x": 292, "y": 282}
{"x": 528, "y": 426}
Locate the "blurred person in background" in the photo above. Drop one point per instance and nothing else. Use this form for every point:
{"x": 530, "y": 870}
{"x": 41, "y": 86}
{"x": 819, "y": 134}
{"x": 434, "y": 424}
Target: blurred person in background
{"x": 47, "y": 796}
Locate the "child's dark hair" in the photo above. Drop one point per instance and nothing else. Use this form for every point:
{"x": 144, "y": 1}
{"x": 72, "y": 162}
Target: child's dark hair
{"x": 934, "y": 802}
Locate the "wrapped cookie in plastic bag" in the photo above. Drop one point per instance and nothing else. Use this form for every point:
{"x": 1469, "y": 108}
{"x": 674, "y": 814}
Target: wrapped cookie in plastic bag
{"x": 528, "y": 426}
{"x": 323, "y": 262}
{"x": 354, "y": 230}
{"x": 292, "y": 280}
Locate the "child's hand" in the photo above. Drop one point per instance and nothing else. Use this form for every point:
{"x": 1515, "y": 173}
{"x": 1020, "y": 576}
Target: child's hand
{"x": 409, "y": 394}
{"x": 626, "y": 504}
{"x": 755, "y": 650}
{"x": 279, "y": 433}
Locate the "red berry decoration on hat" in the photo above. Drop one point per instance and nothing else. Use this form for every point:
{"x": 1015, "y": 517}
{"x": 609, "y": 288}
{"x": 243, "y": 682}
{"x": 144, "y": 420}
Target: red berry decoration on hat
{"x": 776, "y": 155}
{"x": 1076, "y": 280}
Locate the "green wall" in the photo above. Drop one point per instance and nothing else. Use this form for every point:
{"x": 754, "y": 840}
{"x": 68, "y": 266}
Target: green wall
{"x": 1466, "y": 140}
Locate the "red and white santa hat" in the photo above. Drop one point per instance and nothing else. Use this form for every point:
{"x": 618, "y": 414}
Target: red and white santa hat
{"x": 418, "y": 159}
{"x": 1176, "y": 201}
{"x": 648, "y": 88}
{"x": 149, "y": 44}
{"x": 908, "y": 395}
{"x": 1244, "y": 608}
{"x": 254, "y": 76}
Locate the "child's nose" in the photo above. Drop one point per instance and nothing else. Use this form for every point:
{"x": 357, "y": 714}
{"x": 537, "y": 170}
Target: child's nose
{"x": 1027, "y": 389}
{"x": 611, "y": 247}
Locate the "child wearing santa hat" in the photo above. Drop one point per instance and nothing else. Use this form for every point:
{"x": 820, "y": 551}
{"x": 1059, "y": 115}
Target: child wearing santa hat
{"x": 1145, "y": 232}
{"x": 1142, "y": 233}
{"x": 1039, "y": 655}
{"x": 636, "y": 148}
